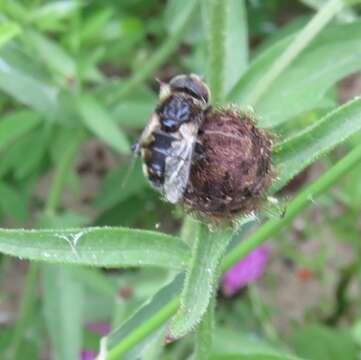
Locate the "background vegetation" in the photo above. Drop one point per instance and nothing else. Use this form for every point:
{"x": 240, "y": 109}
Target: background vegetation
{"x": 77, "y": 86}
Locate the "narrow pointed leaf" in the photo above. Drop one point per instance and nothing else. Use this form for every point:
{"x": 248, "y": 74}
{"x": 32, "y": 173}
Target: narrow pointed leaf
{"x": 109, "y": 247}
{"x": 228, "y": 42}
{"x": 63, "y": 307}
{"x": 18, "y": 81}
{"x": 292, "y": 156}
{"x": 236, "y": 43}
{"x": 302, "y": 85}
{"x": 97, "y": 120}
{"x": 53, "y": 55}
{"x": 15, "y": 125}
{"x": 8, "y": 30}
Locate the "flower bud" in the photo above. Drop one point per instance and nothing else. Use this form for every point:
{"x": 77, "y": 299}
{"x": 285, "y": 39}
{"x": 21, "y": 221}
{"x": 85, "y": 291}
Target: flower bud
{"x": 231, "y": 167}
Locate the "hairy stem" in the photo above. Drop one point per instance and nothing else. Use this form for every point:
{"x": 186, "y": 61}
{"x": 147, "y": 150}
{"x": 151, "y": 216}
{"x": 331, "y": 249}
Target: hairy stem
{"x": 217, "y": 48}
{"x": 204, "y": 333}
{"x": 62, "y": 172}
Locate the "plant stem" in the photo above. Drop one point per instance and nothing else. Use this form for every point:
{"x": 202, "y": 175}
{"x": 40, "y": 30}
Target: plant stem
{"x": 26, "y": 306}
{"x": 217, "y": 48}
{"x": 61, "y": 174}
{"x": 304, "y": 37}
{"x": 156, "y": 60}
{"x": 270, "y": 228}
{"x": 201, "y": 278}
{"x": 204, "y": 333}
{"x": 147, "y": 328}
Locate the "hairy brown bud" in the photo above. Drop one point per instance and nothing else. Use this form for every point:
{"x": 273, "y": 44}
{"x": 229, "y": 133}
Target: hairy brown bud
{"x": 231, "y": 167}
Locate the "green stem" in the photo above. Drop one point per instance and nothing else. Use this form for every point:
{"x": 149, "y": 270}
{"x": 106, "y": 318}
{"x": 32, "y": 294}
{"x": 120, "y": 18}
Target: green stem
{"x": 304, "y": 37}
{"x": 5, "y": 262}
{"x": 147, "y": 328}
{"x": 217, "y": 48}
{"x": 270, "y": 228}
{"x": 157, "y": 59}
{"x": 201, "y": 279}
{"x": 62, "y": 172}
{"x": 27, "y": 303}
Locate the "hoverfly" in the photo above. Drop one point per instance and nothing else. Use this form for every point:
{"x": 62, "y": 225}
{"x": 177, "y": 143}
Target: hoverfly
{"x": 167, "y": 143}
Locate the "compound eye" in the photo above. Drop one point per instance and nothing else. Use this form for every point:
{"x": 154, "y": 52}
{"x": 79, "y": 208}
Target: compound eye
{"x": 191, "y": 85}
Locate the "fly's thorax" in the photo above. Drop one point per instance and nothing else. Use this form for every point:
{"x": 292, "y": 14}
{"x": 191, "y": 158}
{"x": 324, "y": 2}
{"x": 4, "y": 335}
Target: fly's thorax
{"x": 178, "y": 109}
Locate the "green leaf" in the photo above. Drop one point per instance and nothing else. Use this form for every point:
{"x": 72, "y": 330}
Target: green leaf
{"x": 52, "y": 54}
{"x": 20, "y": 81}
{"x": 302, "y": 85}
{"x": 201, "y": 279}
{"x": 134, "y": 113}
{"x": 119, "y": 185}
{"x": 176, "y": 13}
{"x": 108, "y": 247}
{"x": 356, "y": 331}
{"x": 94, "y": 23}
{"x": 12, "y": 202}
{"x": 316, "y": 342}
{"x": 97, "y": 120}
{"x": 256, "y": 70}
{"x": 226, "y": 28}
{"x": 302, "y": 39}
{"x": 16, "y": 124}
{"x": 54, "y": 11}
{"x": 31, "y": 150}
{"x": 96, "y": 280}
{"x": 63, "y": 308}
{"x": 8, "y": 30}
{"x": 295, "y": 154}
{"x": 159, "y": 302}
{"x": 238, "y": 341}
{"x": 236, "y": 46}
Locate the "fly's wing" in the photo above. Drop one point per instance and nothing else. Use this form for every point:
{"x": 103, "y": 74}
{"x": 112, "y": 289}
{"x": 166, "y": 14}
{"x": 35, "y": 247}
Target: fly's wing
{"x": 145, "y": 136}
{"x": 178, "y": 164}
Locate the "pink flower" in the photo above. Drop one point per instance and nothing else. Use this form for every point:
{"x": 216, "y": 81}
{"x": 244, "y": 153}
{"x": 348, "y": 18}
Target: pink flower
{"x": 99, "y": 328}
{"x": 246, "y": 271}
{"x": 88, "y": 355}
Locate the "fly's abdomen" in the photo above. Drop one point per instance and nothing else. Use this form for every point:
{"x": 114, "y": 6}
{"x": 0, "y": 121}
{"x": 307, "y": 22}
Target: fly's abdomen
{"x": 155, "y": 157}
